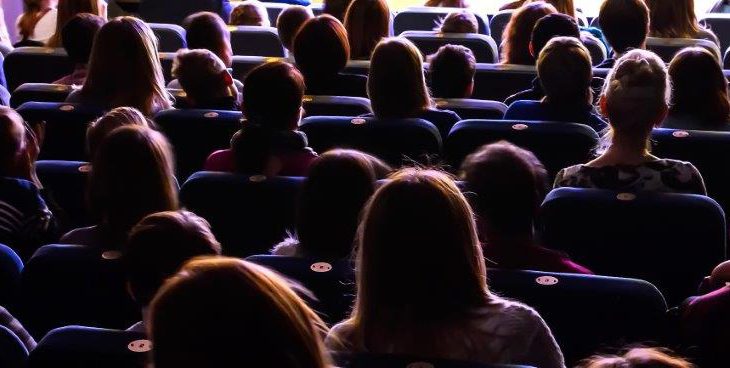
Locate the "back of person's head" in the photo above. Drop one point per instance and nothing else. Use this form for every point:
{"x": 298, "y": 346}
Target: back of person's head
{"x": 132, "y": 177}
{"x": 339, "y": 183}
{"x": 638, "y": 358}
{"x": 250, "y": 13}
{"x": 321, "y": 48}
{"x": 202, "y": 75}
{"x": 206, "y": 30}
{"x": 563, "y": 6}
{"x": 159, "y": 245}
{"x": 124, "y": 69}
{"x": 461, "y": 22}
{"x": 226, "y": 312}
{"x": 336, "y": 8}
{"x": 414, "y": 224}
{"x": 625, "y": 24}
{"x": 33, "y": 10}
{"x": 78, "y": 35}
{"x": 66, "y": 10}
{"x": 672, "y": 19}
{"x": 448, "y": 3}
{"x": 699, "y": 87}
{"x": 367, "y": 22}
{"x": 290, "y": 20}
{"x": 12, "y": 140}
{"x": 451, "y": 71}
{"x": 549, "y": 27}
{"x": 508, "y": 184}
{"x": 517, "y": 33}
{"x": 396, "y": 84}
{"x": 565, "y": 71}
{"x": 101, "y": 127}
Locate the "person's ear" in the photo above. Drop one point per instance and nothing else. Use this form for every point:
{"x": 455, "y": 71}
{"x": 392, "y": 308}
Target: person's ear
{"x": 227, "y": 77}
{"x": 602, "y": 105}
{"x": 532, "y": 49}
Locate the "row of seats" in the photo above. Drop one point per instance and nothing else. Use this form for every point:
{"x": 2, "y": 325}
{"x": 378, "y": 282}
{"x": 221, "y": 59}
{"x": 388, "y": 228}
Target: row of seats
{"x": 245, "y": 40}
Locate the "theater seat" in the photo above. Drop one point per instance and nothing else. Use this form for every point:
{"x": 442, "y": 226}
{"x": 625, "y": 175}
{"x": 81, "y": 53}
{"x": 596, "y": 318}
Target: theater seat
{"x": 363, "y": 360}
{"x": 170, "y": 37}
{"x": 77, "y": 346}
{"x": 66, "y": 182}
{"x": 336, "y": 106}
{"x": 36, "y": 65}
{"x": 248, "y": 214}
{"x": 557, "y": 145}
{"x": 425, "y": 18}
{"x": 244, "y": 64}
{"x": 331, "y": 282}
{"x": 666, "y": 48}
{"x": 719, "y": 24}
{"x": 483, "y": 47}
{"x": 496, "y": 82}
{"x": 65, "y": 128}
{"x": 394, "y": 141}
{"x": 498, "y": 23}
{"x": 195, "y": 134}
{"x": 10, "y": 269}
{"x": 273, "y": 10}
{"x": 39, "y": 92}
{"x": 256, "y": 41}
{"x": 670, "y": 240}
{"x": 174, "y": 11}
{"x": 12, "y": 351}
{"x": 473, "y": 109}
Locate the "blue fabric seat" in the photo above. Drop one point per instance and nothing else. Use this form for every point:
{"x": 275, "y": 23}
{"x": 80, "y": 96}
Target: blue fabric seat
{"x": 497, "y": 81}
{"x": 666, "y": 48}
{"x": 473, "y": 109}
{"x": 171, "y": 37}
{"x": 39, "y": 92}
{"x": 36, "y": 65}
{"x": 11, "y": 268}
{"x": 175, "y": 11}
{"x": 336, "y": 106}
{"x": 363, "y": 360}
{"x": 497, "y": 24}
{"x": 720, "y": 25}
{"x": 244, "y": 64}
{"x": 12, "y": 351}
{"x": 424, "y": 18}
{"x": 483, "y": 47}
{"x": 67, "y": 181}
{"x": 536, "y": 110}
{"x": 256, "y": 41}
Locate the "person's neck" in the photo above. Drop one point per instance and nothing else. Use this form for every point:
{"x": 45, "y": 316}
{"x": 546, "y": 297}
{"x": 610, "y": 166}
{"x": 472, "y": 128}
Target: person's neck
{"x": 624, "y": 152}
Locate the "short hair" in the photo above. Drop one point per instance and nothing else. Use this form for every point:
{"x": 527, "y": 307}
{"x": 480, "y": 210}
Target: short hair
{"x": 77, "y": 36}
{"x": 551, "y": 26}
{"x": 159, "y": 245}
{"x": 459, "y": 22}
{"x": 206, "y": 30}
{"x": 625, "y": 24}
{"x": 101, "y": 127}
{"x": 199, "y": 73}
{"x": 321, "y": 47}
{"x": 12, "y": 139}
{"x": 250, "y": 13}
{"x": 451, "y": 71}
{"x": 290, "y": 20}
{"x": 565, "y": 70}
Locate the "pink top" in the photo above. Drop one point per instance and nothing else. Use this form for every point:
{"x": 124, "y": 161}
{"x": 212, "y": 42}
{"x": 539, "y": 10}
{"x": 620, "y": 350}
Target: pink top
{"x": 294, "y": 163}
{"x": 77, "y": 78}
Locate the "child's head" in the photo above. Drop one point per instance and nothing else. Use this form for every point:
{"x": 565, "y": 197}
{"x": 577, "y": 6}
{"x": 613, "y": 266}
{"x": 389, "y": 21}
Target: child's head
{"x": 549, "y": 27}
{"x": 159, "y": 245}
{"x": 226, "y": 312}
{"x": 78, "y": 35}
{"x": 206, "y": 30}
{"x": 101, "y": 127}
{"x": 321, "y": 48}
{"x": 625, "y": 24}
{"x": 367, "y": 22}
{"x": 517, "y": 33}
{"x": 565, "y": 71}
{"x": 13, "y": 141}
{"x": 638, "y": 358}
{"x": 290, "y": 20}
{"x": 202, "y": 75}
{"x": 250, "y": 13}
{"x": 461, "y": 22}
{"x": 699, "y": 87}
{"x": 451, "y": 70}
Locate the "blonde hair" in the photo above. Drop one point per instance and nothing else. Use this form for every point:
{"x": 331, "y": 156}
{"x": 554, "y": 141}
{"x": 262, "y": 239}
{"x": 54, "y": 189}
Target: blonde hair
{"x": 101, "y": 127}
{"x": 638, "y": 358}
{"x": 396, "y": 83}
{"x": 565, "y": 71}
{"x": 672, "y": 19}
{"x": 250, "y": 13}
{"x": 459, "y": 22}
{"x": 124, "y": 68}
{"x": 67, "y": 9}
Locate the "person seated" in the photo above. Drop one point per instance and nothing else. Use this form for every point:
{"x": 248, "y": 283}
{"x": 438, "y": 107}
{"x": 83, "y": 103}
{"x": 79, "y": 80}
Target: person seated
{"x": 226, "y": 312}
{"x": 339, "y": 184}
{"x": 157, "y": 247}
{"x": 321, "y": 51}
{"x": 205, "y": 79}
{"x": 677, "y": 19}
{"x": 447, "y": 3}
{"x": 507, "y": 184}
{"x": 367, "y": 22}
{"x": 699, "y": 92}
{"x": 635, "y": 100}
{"x": 118, "y": 117}
{"x": 290, "y": 20}
{"x": 206, "y": 30}
{"x": 451, "y": 72}
{"x": 638, "y": 358}
{"x": 250, "y": 13}
{"x": 417, "y": 221}
{"x": 461, "y": 22}
{"x": 565, "y": 73}
{"x": 37, "y": 23}
{"x": 269, "y": 142}
{"x": 336, "y": 8}
{"x": 721, "y": 6}
{"x": 77, "y": 37}
{"x": 26, "y": 222}
{"x": 517, "y": 35}
{"x": 625, "y": 25}
{"x": 67, "y": 9}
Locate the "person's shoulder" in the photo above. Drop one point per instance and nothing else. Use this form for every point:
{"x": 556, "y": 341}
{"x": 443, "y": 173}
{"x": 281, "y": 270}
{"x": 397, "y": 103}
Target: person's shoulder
{"x": 82, "y": 236}
{"x": 511, "y": 315}
{"x": 340, "y": 336}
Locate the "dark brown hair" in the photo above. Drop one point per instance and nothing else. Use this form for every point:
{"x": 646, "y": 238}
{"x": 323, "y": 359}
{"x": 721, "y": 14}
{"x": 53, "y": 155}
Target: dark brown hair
{"x": 206, "y": 30}
{"x": 517, "y": 33}
{"x": 451, "y": 71}
{"x": 625, "y": 23}
{"x": 321, "y": 47}
{"x": 367, "y": 22}
{"x": 290, "y": 20}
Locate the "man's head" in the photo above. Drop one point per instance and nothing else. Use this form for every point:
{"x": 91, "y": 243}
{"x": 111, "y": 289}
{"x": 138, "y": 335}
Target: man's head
{"x": 202, "y": 75}
{"x": 625, "y": 24}
{"x": 78, "y": 35}
{"x": 549, "y": 27}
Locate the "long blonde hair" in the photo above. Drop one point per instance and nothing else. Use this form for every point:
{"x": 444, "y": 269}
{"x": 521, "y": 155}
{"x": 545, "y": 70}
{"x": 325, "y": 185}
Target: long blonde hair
{"x": 124, "y": 69}
{"x": 672, "y": 19}
{"x": 66, "y": 10}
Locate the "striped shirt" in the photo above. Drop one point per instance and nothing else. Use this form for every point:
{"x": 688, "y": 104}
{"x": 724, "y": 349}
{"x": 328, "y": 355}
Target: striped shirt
{"x": 26, "y": 223}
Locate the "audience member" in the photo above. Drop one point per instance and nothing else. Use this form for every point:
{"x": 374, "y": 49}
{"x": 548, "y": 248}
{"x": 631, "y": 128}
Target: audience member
{"x": 67, "y": 9}
{"x": 565, "y": 73}
{"x": 507, "y": 185}
{"x": 397, "y": 86}
{"x": 37, "y": 23}
{"x": 699, "y": 92}
{"x": 367, "y": 22}
{"x": 269, "y": 142}
{"x": 451, "y": 72}
{"x": 461, "y": 22}
{"x": 321, "y": 51}
{"x": 207, "y": 83}
{"x": 206, "y": 30}
{"x": 132, "y": 177}
{"x": 158, "y": 247}
{"x": 625, "y": 24}
{"x": 101, "y": 127}
{"x": 250, "y": 13}
{"x": 336, "y": 8}
{"x": 518, "y": 32}
{"x": 638, "y": 358}
{"x": 676, "y": 19}
{"x": 634, "y": 101}
{"x": 77, "y": 37}
{"x": 416, "y": 222}
{"x": 448, "y": 3}
{"x": 563, "y": 6}
{"x": 226, "y": 312}
{"x": 338, "y": 186}
{"x": 290, "y": 20}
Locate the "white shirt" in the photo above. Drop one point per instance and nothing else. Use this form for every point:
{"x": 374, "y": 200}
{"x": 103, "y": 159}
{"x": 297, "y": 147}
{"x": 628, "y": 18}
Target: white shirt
{"x": 45, "y": 28}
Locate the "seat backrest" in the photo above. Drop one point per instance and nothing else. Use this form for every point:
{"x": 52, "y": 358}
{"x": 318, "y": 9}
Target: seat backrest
{"x": 175, "y": 11}
{"x": 244, "y": 64}
{"x": 10, "y": 270}
{"x": 425, "y": 18}
{"x": 619, "y": 311}
{"x": 273, "y": 10}
{"x": 77, "y": 346}
{"x": 166, "y": 60}
{"x": 248, "y": 214}
{"x": 75, "y": 284}
{"x": 67, "y": 181}
{"x": 336, "y": 106}
{"x": 365, "y": 360}
{"x": 670, "y": 240}
{"x": 256, "y": 41}
{"x": 557, "y": 145}
{"x": 195, "y": 134}
{"x": 332, "y": 283}
{"x": 484, "y": 48}
{"x": 170, "y": 37}
{"x": 12, "y": 351}
{"x": 498, "y": 81}
{"x": 36, "y": 65}
{"x": 392, "y": 140}
{"x": 65, "y": 128}
{"x": 719, "y": 23}
{"x": 39, "y": 92}
{"x": 498, "y": 23}
{"x": 666, "y": 48}
{"x": 473, "y": 109}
